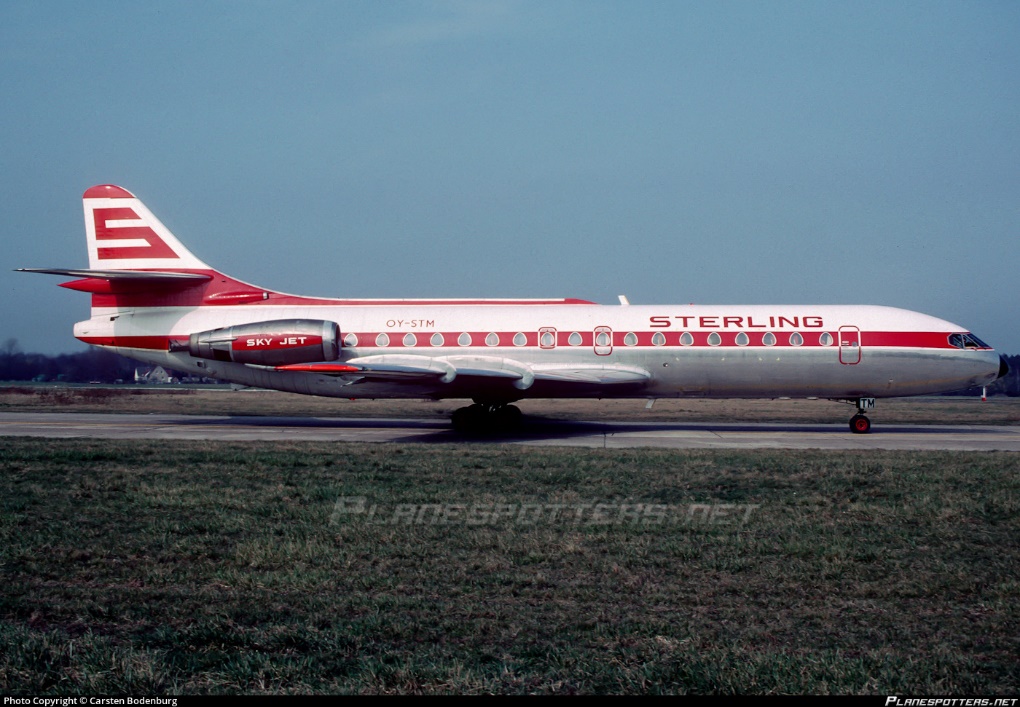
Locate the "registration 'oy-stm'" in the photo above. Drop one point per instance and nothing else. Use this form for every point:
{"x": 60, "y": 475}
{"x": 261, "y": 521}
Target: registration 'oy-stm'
{"x": 154, "y": 301}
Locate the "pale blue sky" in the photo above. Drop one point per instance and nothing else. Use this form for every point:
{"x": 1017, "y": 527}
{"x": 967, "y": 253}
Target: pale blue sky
{"x": 710, "y": 152}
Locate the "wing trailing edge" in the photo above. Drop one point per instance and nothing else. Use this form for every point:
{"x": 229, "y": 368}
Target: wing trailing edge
{"x": 417, "y": 369}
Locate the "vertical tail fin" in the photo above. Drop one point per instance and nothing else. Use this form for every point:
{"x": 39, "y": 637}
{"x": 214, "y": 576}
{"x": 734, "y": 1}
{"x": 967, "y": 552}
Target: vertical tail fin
{"x": 124, "y": 235}
{"x": 135, "y": 261}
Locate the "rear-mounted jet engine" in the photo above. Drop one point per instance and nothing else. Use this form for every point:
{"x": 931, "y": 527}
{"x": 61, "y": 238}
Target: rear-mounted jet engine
{"x": 273, "y": 343}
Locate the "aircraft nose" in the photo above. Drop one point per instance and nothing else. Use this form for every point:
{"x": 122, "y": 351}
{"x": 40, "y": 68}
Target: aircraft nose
{"x": 1003, "y": 367}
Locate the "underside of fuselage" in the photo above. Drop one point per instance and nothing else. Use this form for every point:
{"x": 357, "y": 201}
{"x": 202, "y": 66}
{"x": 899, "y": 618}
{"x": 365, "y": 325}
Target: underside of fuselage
{"x": 673, "y": 373}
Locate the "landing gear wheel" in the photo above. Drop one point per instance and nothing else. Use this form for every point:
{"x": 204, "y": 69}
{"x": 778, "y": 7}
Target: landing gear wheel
{"x": 470, "y": 419}
{"x": 860, "y": 424}
{"x": 481, "y": 418}
{"x": 506, "y": 417}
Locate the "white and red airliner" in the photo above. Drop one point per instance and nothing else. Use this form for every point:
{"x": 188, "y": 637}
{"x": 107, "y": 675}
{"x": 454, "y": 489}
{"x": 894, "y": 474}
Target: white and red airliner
{"x": 154, "y": 301}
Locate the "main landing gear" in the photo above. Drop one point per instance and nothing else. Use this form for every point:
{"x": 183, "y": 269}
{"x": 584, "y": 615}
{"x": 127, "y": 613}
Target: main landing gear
{"x": 482, "y": 418}
{"x": 859, "y": 423}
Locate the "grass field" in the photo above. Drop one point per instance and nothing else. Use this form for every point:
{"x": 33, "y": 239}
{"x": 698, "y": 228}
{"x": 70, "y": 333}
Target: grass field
{"x": 142, "y": 568}
{"x": 923, "y": 410}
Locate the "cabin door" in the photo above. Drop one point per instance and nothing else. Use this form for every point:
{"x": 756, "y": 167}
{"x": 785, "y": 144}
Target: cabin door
{"x": 849, "y": 345}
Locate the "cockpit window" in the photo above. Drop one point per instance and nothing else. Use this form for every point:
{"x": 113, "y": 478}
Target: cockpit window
{"x": 967, "y": 341}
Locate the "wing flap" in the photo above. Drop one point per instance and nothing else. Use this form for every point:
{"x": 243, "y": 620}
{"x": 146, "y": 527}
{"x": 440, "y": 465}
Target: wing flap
{"x": 606, "y": 374}
{"x": 416, "y": 369}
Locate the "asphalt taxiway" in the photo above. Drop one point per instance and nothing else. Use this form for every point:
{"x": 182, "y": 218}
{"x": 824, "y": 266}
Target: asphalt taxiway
{"x": 535, "y": 431}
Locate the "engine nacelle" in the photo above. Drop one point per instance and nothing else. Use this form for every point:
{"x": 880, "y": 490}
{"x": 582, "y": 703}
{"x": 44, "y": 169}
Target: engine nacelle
{"x": 274, "y": 343}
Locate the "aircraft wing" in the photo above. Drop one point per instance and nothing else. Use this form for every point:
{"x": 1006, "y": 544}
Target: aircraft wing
{"x": 418, "y": 369}
{"x": 385, "y": 367}
{"x": 606, "y": 374}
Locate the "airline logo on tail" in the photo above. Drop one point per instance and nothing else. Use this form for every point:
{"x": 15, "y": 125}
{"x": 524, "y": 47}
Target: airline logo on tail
{"x": 121, "y": 231}
{"x": 124, "y": 235}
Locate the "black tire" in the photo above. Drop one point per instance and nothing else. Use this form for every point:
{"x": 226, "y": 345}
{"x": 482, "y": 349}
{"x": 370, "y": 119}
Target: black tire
{"x": 860, "y": 424}
{"x": 467, "y": 420}
{"x": 507, "y": 418}
{"x": 483, "y": 419}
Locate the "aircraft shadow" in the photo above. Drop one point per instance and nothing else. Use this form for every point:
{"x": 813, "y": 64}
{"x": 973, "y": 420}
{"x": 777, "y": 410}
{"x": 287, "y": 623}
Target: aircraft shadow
{"x": 534, "y": 428}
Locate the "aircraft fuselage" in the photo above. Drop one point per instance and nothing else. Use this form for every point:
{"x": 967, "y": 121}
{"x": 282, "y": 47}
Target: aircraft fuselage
{"x": 754, "y": 351}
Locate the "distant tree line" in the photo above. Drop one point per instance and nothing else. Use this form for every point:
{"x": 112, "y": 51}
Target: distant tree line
{"x": 101, "y": 365}
{"x": 95, "y": 364}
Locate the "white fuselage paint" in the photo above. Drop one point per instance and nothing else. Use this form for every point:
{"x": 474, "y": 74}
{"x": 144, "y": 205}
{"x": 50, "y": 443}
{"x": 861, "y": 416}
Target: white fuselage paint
{"x": 730, "y": 370}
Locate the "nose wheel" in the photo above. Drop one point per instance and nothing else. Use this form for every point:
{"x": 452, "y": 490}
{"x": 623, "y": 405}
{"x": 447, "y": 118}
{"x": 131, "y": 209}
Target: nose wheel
{"x": 860, "y": 424}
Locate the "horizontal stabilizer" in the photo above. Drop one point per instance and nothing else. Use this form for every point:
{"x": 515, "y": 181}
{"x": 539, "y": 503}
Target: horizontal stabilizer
{"x": 122, "y": 282}
{"x": 188, "y": 278}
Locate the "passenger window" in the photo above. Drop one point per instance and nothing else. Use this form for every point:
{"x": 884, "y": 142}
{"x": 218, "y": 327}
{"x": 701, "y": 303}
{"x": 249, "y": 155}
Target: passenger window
{"x": 410, "y": 339}
{"x": 574, "y": 339}
{"x": 714, "y": 339}
{"x": 464, "y": 339}
{"x": 630, "y": 339}
{"x": 769, "y": 339}
{"x": 520, "y": 339}
{"x": 742, "y": 339}
{"x": 382, "y": 340}
{"x": 351, "y": 340}
{"x": 492, "y": 339}
{"x": 658, "y": 339}
{"x": 825, "y": 339}
{"x": 686, "y": 339}
{"x": 796, "y": 339}
{"x": 437, "y": 339}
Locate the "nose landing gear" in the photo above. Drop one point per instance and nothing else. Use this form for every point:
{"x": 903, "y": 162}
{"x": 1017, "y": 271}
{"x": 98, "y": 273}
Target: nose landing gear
{"x": 859, "y": 423}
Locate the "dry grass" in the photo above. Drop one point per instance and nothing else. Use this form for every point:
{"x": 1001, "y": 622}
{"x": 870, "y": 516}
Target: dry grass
{"x": 222, "y": 401}
{"x": 231, "y": 568}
